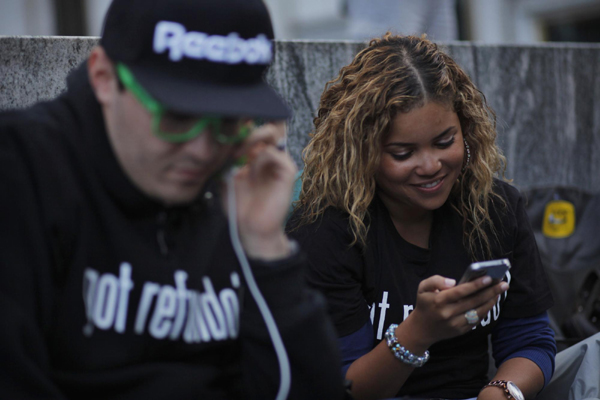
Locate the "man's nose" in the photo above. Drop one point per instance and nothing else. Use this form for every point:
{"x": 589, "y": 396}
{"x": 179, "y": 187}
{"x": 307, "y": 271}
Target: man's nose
{"x": 203, "y": 147}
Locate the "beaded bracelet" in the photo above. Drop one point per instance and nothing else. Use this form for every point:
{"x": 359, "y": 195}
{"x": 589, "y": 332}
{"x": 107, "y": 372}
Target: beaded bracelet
{"x": 400, "y": 352}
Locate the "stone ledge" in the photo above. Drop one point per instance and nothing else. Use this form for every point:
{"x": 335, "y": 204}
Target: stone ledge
{"x": 546, "y": 97}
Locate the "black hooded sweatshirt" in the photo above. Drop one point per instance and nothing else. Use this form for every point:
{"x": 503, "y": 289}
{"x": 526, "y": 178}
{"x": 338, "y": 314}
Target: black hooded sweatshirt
{"x": 107, "y": 294}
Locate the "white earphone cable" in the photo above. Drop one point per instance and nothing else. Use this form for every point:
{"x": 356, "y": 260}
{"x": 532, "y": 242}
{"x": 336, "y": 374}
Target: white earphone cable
{"x": 282, "y": 357}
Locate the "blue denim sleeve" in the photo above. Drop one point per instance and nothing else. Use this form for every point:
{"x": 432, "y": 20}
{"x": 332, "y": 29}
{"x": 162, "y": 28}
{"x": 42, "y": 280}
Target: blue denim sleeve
{"x": 530, "y": 337}
{"x": 355, "y": 345}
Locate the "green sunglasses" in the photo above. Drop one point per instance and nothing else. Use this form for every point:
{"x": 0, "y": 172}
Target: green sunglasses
{"x": 176, "y": 128}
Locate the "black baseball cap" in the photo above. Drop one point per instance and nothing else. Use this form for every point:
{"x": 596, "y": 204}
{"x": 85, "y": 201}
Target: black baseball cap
{"x": 197, "y": 56}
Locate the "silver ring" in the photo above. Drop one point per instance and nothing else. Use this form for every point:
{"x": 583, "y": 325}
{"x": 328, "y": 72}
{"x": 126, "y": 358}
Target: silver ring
{"x": 472, "y": 317}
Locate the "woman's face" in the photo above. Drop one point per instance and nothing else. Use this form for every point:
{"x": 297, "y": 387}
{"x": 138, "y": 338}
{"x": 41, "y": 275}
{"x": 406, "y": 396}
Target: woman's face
{"x": 421, "y": 159}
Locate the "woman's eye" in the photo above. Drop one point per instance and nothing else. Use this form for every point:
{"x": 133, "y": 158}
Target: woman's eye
{"x": 401, "y": 156}
{"x": 445, "y": 144}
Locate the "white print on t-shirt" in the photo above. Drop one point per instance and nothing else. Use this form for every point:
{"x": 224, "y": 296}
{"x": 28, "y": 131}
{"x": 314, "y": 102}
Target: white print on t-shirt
{"x": 230, "y": 49}
{"x": 407, "y": 310}
{"x": 384, "y": 305}
{"x": 197, "y": 316}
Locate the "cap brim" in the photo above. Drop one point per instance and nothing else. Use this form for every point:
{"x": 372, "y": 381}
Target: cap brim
{"x": 197, "y": 97}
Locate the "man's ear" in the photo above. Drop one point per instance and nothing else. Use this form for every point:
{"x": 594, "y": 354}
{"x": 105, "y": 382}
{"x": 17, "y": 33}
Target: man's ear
{"x": 101, "y": 73}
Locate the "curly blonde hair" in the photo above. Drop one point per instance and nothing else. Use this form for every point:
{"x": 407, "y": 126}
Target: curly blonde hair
{"x": 396, "y": 74}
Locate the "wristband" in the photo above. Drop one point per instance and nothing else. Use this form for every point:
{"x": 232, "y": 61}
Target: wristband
{"x": 511, "y": 390}
{"x": 400, "y": 352}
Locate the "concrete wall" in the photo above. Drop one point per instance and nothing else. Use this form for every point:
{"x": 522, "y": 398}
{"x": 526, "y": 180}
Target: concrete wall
{"x": 546, "y": 97}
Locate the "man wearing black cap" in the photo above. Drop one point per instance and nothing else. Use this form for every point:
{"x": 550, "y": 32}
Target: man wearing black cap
{"x": 119, "y": 275}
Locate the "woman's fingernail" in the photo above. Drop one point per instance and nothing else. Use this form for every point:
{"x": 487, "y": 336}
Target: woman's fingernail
{"x": 486, "y": 280}
{"x": 504, "y": 286}
{"x": 281, "y": 144}
{"x": 450, "y": 282}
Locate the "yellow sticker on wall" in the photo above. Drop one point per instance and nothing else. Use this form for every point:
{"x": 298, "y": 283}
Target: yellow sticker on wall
{"x": 559, "y": 219}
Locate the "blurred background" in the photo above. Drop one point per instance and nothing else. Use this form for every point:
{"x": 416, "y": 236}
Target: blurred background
{"x": 547, "y": 98}
{"x": 486, "y": 21}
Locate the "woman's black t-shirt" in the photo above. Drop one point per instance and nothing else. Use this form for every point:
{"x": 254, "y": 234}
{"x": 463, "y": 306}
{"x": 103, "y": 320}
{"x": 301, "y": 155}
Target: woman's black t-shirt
{"x": 380, "y": 282}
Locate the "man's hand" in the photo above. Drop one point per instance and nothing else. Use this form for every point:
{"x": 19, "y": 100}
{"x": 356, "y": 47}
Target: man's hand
{"x": 263, "y": 188}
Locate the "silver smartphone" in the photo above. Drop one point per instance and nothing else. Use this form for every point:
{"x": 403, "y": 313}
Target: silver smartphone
{"x": 495, "y": 269}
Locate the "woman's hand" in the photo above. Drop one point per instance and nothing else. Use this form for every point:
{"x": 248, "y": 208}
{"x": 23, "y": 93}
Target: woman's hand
{"x": 263, "y": 188}
{"x": 441, "y": 306}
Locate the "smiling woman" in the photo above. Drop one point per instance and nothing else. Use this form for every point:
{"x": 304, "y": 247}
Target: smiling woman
{"x": 420, "y": 163}
{"x": 400, "y": 193}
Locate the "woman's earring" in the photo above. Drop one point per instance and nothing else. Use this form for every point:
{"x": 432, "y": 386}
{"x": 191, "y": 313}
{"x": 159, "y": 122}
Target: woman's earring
{"x": 468, "y": 150}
